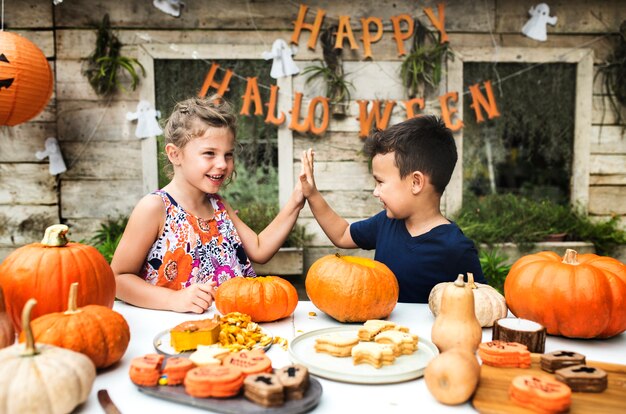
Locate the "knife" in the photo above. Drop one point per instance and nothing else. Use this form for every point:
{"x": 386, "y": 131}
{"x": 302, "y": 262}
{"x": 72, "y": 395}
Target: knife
{"x": 107, "y": 404}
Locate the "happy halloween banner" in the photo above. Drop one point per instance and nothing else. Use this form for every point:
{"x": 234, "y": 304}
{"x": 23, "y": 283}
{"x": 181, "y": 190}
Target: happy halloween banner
{"x": 379, "y": 112}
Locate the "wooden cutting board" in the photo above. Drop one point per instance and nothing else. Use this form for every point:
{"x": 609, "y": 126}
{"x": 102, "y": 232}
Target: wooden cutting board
{"x": 492, "y": 393}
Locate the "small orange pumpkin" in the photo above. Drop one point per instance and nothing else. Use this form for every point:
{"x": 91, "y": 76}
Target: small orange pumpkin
{"x": 93, "y": 330}
{"x": 578, "y": 296}
{"x": 46, "y": 270}
{"x": 352, "y": 289}
{"x": 264, "y": 298}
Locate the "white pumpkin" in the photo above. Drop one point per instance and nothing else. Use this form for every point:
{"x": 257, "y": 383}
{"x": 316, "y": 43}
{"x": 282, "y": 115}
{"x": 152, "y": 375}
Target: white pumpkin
{"x": 42, "y": 379}
{"x": 489, "y": 304}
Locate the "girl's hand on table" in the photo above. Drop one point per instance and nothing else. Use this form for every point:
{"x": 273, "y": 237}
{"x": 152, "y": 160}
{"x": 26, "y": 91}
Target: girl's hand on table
{"x": 197, "y": 298}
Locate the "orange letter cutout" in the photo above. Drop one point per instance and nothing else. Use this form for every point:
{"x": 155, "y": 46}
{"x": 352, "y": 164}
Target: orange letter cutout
{"x": 345, "y": 30}
{"x": 208, "y": 81}
{"x": 446, "y": 113}
{"x": 270, "y": 118}
{"x": 479, "y": 100}
{"x": 311, "y": 117}
{"x": 438, "y": 23}
{"x": 366, "y": 119}
{"x": 367, "y": 38}
{"x": 295, "y": 115}
{"x": 410, "y": 111}
{"x": 398, "y": 35}
{"x": 314, "y": 28}
{"x": 252, "y": 95}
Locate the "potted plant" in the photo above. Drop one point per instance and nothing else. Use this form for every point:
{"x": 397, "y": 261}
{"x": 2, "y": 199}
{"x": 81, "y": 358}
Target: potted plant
{"x": 330, "y": 70}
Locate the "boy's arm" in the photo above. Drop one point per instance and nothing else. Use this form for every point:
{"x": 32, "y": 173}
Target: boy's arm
{"x": 336, "y": 227}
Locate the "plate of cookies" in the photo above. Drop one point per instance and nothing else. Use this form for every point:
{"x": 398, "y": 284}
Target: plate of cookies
{"x": 234, "y": 332}
{"x": 376, "y": 352}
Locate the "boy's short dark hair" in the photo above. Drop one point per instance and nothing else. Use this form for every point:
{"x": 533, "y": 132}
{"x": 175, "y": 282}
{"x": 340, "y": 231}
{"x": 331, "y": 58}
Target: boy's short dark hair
{"x": 423, "y": 143}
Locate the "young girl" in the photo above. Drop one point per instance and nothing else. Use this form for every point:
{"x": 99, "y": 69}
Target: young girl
{"x": 182, "y": 241}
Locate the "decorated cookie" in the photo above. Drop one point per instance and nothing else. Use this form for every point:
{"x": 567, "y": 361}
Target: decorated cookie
{"x": 504, "y": 354}
{"x": 249, "y": 362}
{"x": 295, "y": 379}
{"x": 373, "y": 354}
{"x": 208, "y": 355}
{"x": 175, "y": 370}
{"x": 583, "y": 378}
{"x": 264, "y": 389}
{"x": 403, "y": 343}
{"x": 540, "y": 394}
{"x": 210, "y": 381}
{"x": 146, "y": 370}
{"x": 560, "y": 359}
{"x": 335, "y": 344}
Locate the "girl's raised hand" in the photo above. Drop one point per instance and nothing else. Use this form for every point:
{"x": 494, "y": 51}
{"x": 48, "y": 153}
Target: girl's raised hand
{"x": 197, "y": 298}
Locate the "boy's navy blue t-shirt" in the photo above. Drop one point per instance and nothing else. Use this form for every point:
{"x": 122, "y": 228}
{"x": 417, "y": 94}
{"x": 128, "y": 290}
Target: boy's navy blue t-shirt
{"x": 420, "y": 262}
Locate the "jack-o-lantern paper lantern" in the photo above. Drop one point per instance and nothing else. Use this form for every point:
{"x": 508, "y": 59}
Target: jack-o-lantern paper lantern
{"x": 25, "y": 79}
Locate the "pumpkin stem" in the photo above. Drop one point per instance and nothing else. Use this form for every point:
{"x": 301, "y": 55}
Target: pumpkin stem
{"x": 29, "y": 347}
{"x": 470, "y": 280}
{"x": 570, "y": 257}
{"x": 72, "y": 305}
{"x": 459, "y": 281}
{"x": 56, "y": 235}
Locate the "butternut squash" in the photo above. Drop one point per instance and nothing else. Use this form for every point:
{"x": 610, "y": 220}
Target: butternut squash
{"x": 452, "y": 376}
{"x": 457, "y": 325}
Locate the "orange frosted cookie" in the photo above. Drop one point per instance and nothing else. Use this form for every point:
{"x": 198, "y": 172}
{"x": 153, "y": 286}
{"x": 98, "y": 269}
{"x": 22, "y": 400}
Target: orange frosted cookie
{"x": 146, "y": 370}
{"x": 214, "y": 381}
{"x": 175, "y": 370}
{"x": 249, "y": 362}
{"x": 504, "y": 354}
{"x": 541, "y": 394}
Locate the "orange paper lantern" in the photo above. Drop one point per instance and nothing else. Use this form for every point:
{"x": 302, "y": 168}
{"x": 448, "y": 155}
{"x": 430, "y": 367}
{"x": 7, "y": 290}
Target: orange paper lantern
{"x": 25, "y": 79}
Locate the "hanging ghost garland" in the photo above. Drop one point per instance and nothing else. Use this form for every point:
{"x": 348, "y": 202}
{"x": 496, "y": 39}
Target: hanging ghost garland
{"x": 146, "y": 115}
{"x": 171, "y": 7}
{"x": 535, "y": 28}
{"x": 282, "y": 64}
{"x": 55, "y": 158}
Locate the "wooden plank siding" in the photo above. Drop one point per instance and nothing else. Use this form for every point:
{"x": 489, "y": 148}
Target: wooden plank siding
{"x": 107, "y": 164}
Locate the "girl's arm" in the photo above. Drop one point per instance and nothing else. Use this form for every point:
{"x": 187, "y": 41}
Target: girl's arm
{"x": 144, "y": 226}
{"x": 260, "y": 248}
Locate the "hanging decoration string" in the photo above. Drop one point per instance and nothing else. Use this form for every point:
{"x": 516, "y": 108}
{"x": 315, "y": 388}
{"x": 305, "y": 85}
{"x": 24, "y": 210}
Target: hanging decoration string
{"x": 2, "y": 24}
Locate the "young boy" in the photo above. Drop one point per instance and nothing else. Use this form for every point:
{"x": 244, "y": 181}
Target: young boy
{"x": 412, "y": 163}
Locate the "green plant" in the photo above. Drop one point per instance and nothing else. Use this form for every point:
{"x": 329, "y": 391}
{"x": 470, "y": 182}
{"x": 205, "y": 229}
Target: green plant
{"x": 108, "y": 236}
{"x": 501, "y": 218}
{"x": 424, "y": 63}
{"x": 330, "y": 70}
{"x": 106, "y": 61}
{"x": 495, "y": 267}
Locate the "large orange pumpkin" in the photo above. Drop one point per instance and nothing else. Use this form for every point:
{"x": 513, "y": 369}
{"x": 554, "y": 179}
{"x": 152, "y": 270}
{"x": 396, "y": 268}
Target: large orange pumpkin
{"x": 25, "y": 79}
{"x": 352, "y": 289}
{"x": 578, "y": 296}
{"x": 93, "y": 330}
{"x": 264, "y": 298}
{"x": 46, "y": 270}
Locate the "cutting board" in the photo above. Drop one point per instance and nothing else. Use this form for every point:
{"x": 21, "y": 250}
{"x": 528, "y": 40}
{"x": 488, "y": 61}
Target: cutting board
{"x": 492, "y": 393}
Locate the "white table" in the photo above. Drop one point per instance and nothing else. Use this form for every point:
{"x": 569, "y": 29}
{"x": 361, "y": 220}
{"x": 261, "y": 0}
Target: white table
{"x": 337, "y": 397}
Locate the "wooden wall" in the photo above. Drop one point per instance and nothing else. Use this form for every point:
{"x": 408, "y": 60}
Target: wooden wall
{"x": 104, "y": 177}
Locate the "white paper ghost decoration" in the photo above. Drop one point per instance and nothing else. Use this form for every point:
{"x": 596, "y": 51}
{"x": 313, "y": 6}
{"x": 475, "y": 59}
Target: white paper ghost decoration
{"x": 283, "y": 64}
{"x": 171, "y": 7}
{"x": 535, "y": 28}
{"x": 55, "y": 158}
{"x": 147, "y": 125}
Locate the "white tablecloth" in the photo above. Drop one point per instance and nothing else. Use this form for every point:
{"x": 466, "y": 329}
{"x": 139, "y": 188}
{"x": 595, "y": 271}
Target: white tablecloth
{"x": 337, "y": 397}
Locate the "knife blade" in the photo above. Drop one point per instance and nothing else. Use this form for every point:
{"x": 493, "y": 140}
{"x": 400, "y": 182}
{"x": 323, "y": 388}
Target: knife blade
{"x": 107, "y": 404}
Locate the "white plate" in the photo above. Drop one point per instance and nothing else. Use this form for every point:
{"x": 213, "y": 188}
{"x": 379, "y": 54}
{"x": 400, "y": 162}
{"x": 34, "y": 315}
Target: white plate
{"x": 404, "y": 368}
{"x": 162, "y": 344}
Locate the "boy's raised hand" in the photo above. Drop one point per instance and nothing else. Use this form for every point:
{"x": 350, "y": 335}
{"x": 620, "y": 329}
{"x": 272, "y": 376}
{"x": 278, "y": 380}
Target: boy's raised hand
{"x": 307, "y": 180}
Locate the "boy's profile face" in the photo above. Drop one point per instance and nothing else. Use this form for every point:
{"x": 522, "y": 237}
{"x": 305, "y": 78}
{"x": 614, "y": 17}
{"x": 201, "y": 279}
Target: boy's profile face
{"x": 394, "y": 192}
